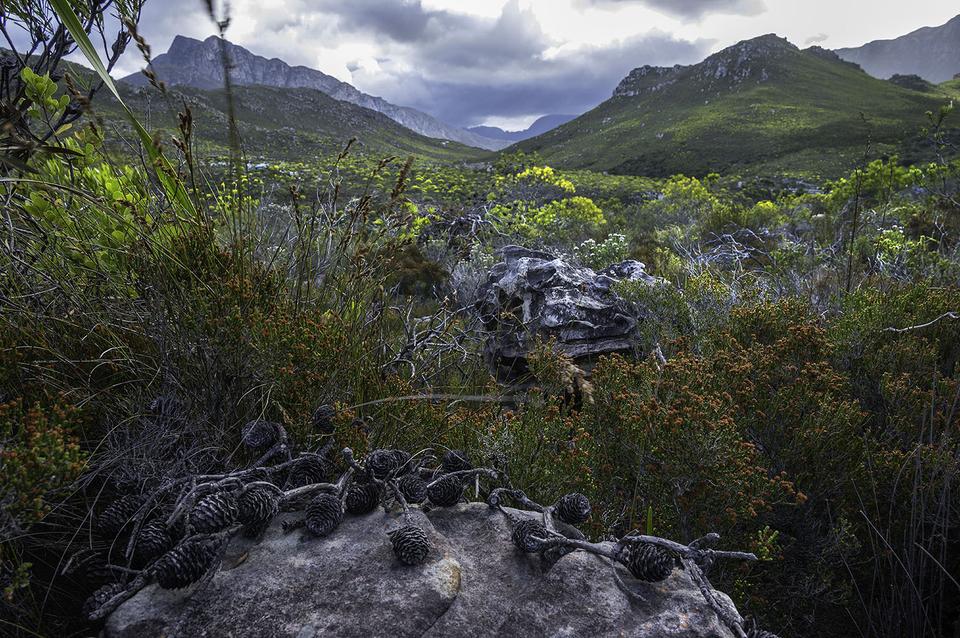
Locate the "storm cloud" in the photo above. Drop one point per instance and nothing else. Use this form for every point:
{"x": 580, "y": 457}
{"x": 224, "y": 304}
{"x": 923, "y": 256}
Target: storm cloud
{"x": 691, "y": 9}
{"x": 465, "y": 69}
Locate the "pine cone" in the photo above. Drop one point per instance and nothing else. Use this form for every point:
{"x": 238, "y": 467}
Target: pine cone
{"x": 113, "y": 519}
{"x": 573, "y": 508}
{"x": 529, "y": 535}
{"x": 413, "y": 488}
{"x": 362, "y": 499}
{"x": 403, "y": 459}
{"x": 382, "y": 463}
{"x": 445, "y": 491}
{"x": 260, "y": 435}
{"x": 152, "y": 541}
{"x": 455, "y": 461}
{"x": 323, "y": 514}
{"x": 99, "y": 598}
{"x": 650, "y": 563}
{"x": 256, "y": 508}
{"x": 410, "y": 544}
{"x": 214, "y": 512}
{"x": 323, "y": 419}
{"x": 309, "y": 470}
{"x": 186, "y": 563}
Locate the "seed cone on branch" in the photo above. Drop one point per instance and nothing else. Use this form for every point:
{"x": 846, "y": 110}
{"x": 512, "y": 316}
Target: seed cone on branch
{"x": 410, "y": 544}
{"x": 413, "y": 488}
{"x": 214, "y": 512}
{"x": 573, "y": 508}
{"x": 323, "y": 514}
{"x": 259, "y": 434}
{"x": 323, "y": 419}
{"x": 186, "y": 563}
{"x": 445, "y": 491}
{"x": 362, "y": 499}
{"x": 99, "y": 598}
{"x": 455, "y": 461}
{"x": 529, "y": 535}
{"x": 152, "y": 541}
{"x": 256, "y": 508}
{"x": 650, "y": 563}
{"x": 117, "y": 514}
{"x": 381, "y": 463}
{"x": 309, "y": 470}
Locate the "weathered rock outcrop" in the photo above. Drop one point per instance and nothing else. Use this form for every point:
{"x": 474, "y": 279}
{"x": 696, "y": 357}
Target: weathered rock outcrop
{"x": 475, "y": 583}
{"x": 533, "y": 295}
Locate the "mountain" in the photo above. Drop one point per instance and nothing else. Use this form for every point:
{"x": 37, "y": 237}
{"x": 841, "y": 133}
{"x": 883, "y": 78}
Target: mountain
{"x": 540, "y": 126}
{"x": 933, "y": 53}
{"x": 274, "y": 123}
{"x": 198, "y": 64}
{"x": 760, "y": 105}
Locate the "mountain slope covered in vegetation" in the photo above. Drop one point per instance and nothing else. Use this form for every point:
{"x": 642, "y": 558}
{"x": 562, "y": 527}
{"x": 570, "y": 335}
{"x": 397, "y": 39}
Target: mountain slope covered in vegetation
{"x": 762, "y": 105}
{"x": 196, "y": 64}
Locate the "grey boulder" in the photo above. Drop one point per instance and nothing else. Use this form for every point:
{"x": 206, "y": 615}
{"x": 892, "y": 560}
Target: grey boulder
{"x": 475, "y": 583}
{"x": 532, "y": 295}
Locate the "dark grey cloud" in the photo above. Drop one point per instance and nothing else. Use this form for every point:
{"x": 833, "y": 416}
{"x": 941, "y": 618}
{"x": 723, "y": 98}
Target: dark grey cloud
{"x": 690, "y": 9}
{"x": 463, "y": 68}
{"x": 530, "y": 82}
{"x": 473, "y": 68}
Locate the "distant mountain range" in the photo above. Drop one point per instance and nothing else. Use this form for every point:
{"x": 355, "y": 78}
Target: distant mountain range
{"x": 933, "y": 53}
{"x": 762, "y": 105}
{"x": 540, "y": 126}
{"x": 197, "y": 64}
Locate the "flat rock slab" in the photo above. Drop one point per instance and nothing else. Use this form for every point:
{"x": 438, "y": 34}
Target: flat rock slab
{"x": 475, "y": 583}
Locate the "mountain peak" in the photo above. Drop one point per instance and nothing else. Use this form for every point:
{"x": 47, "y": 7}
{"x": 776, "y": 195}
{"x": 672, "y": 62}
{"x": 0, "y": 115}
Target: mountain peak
{"x": 930, "y": 52}
{"x": 190, "y": 62}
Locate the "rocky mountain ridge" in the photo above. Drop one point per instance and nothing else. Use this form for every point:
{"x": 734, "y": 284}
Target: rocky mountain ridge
{"x": 198, "y": 64}
{"x": 933, "y": 53}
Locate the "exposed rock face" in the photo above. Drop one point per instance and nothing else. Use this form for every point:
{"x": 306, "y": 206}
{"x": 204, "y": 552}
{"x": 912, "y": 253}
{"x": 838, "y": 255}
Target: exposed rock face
{"x": 198, "y": 64}
{"x": 532, "y": 295}
{"x": 933, "y": 53}
{"x": 474, "y": 583}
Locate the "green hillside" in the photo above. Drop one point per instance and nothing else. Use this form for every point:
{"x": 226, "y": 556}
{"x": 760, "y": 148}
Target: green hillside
{"x": 277, "y": 123}
{"x": 761, "y": 106}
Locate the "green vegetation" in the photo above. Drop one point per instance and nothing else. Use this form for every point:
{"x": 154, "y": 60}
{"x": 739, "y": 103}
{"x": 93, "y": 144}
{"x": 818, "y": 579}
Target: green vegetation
{"x": 805, "y": 403}
{"x": 762, "y": 107}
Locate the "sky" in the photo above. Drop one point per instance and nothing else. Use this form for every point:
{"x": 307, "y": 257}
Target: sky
{"x": 506, "y": 62}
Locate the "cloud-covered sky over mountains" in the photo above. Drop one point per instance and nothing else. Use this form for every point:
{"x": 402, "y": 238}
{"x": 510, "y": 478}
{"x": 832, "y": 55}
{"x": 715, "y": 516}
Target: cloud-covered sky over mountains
{"x": 505, "y": 62}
